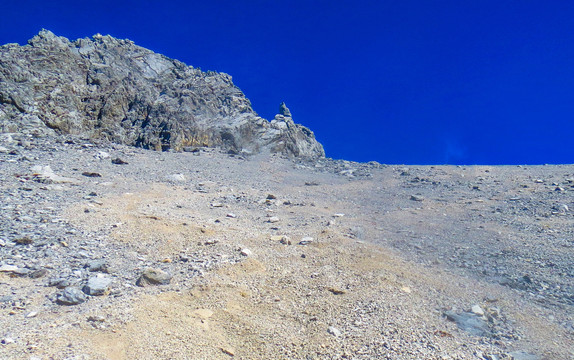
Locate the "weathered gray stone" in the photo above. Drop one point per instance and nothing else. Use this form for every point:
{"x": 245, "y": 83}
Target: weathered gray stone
{"x": 71, "y": 296}
{"x": 97, "y": 285}
{"x": 151, "y": 276}
{"x": 107, "y": 88}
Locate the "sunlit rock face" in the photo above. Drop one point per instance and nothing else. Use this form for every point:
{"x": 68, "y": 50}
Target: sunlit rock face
{"x": 107, "y": 88}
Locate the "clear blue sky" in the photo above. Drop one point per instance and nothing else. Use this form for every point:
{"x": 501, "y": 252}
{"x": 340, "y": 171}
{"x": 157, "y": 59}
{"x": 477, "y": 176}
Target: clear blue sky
{"x": 414, "y": 82}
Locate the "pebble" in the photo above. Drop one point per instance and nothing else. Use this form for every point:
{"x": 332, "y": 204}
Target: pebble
{"x": 306, "y": 240}
{"x": 416, "y": 198}
{"x": 151, "y": 276}
{"x": 216, "y": 204}
{"x": 246, "y": 252}
{"x": 36, "y": 274}
{"x": 176, "y": 177}
{"x": 477, "y": 310}
{"x": 32, "y": 314}
{"x": 118, "y": 161}
{"x": 97, "y": 265}
{"x": 273, "y": 219}
{"x": 334, "y": 331}
{"x": 71, "y": 296}
{"x": 231, "y": 215}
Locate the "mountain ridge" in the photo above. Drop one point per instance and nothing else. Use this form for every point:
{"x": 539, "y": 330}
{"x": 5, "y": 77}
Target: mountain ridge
{"x": 108, "y": 88}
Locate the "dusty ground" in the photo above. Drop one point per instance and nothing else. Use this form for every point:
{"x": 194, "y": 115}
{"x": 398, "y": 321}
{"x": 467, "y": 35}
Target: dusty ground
{"x": 393, "y": 249}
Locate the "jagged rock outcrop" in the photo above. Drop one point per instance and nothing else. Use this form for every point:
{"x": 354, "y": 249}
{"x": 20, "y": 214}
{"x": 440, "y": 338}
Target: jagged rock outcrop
{"x": 107, "y": 88}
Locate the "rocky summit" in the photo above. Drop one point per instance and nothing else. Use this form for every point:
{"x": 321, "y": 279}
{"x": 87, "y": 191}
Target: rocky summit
{"x": 107, "y": 88}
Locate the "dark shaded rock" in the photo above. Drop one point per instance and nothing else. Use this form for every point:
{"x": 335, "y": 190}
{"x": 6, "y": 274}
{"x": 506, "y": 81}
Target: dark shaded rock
{"x": 38, "y": 273}
{"x": 23, "y": 241}
{"x": 118, "y": 161}
{"x": 71, "y": 296}
{"x": 151, "y": 276}
{"x": 112, "y": 89}
{"x": 284, "y": 110}
{"x": 91, "y": 174}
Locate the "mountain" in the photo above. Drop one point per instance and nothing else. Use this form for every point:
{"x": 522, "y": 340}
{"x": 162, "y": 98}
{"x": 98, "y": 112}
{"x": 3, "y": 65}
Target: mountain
{"x": 107, "y": 88}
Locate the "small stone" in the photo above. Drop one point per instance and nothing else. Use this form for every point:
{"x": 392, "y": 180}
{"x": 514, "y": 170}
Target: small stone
{"x": 176, "y": 177}
{"x": 71, "y": 296}
{"x": 102, "y": 155}
{"x": 334, "y": 331}
{"x": 246, "y": 252}
{"x": 416, "y": 198}
{"x": 60, "y": 283}
{"x": 228, "y": 351}
{"x": 36, "y": 274}
{"x": 476, "y": 309}
{"x": 273, "y": 219}
{"x": 32, "y": 314}
{"x": 306, "y": 240}
{"x": 216, "y": 204}
{"x": 118, "y": 161}
{"x": 91, "y": 174}
{"x": 338, "y": 215}
{"x": 336, "y": 291}
{"x": 23, "y": 241}
{"x": 271, "y": 197}
{"x": 151, "y": 276}
{"x": 97, "y": 265}
{"x": 97, "y": 286}
{"x": 231, "y": 215}
{"x": 96, "y": 318}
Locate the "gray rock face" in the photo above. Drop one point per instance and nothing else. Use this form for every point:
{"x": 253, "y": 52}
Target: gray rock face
{"x": 106, "y": 88}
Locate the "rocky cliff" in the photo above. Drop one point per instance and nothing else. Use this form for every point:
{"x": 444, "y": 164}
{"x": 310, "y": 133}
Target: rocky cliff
{"x": 107, "y": 88}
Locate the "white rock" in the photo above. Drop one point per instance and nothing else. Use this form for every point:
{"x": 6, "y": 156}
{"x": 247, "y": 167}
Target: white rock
{"x": 32, "y": 314}
{"x": 273, "y": 219}
{"x": 334, "y": 331}
{"x": 306, "y": 240}
{"x": 477, "y": 310}
{"x": 176, "y": 177}
{"x": 8, "y": 268}
{"x": 246, "y": 252}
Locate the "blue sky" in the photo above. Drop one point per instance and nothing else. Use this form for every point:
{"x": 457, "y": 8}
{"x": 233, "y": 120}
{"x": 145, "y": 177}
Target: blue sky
{"x": 399, "y": 82}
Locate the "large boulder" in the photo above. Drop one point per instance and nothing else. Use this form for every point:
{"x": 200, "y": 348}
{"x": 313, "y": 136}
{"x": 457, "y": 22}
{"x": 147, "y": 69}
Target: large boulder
{"x": 107, "y": 88}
